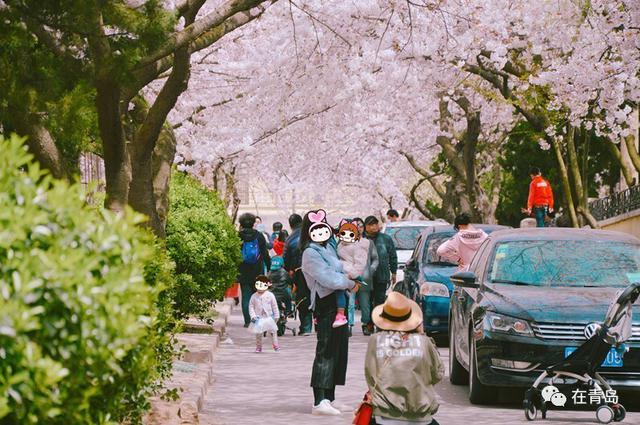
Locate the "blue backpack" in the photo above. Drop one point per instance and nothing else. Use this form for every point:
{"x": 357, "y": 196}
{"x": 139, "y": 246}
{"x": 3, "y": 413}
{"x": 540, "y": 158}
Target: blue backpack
{"x": 251, "y": 251}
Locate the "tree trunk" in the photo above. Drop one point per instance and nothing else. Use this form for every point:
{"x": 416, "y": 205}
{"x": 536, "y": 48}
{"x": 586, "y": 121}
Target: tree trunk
{"x": 231, "y": 190}
{"x": 416, "y": 202}
{"x": 162, "y": 161}
{"x": 116, "y": 160}
{"x": 630, "y": 141}
{"x": 574, "y": 166}
{"x": 41, "y": 145}
{"x": 624, "y": 167}
{"x": 566, "y": 186}
{"x": 141, "y": 196}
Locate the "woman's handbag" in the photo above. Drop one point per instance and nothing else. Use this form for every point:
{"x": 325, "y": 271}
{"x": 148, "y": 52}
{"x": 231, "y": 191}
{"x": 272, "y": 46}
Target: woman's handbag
{"x": 364, "y": 414}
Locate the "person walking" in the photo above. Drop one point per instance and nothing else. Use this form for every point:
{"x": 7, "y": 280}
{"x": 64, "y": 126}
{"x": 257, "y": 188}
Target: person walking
{"x": 292, "y": 256}
{"x": 385, "y": 274}
{"x": 255, "y": 258}
{"x": 260, "y": 227}
{"x": 402, "y": 365}
{"x": 264, "y": 312}
{"x": 393, "y": 216}
{"x": 279, "y": 241}
{"x": 324, "y": 274}
{"x": 461, "y": 248}
{"x": 540, "y": 201}
{"x": 277, "y": 228}
{"x": 280, "y": 283}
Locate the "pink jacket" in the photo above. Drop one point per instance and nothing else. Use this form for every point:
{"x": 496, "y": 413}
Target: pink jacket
{"x": 462, "y": 247}
{"x": 354, "y": 256}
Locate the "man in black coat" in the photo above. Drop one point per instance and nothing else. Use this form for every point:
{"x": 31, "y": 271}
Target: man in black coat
{"x": 255, "y": 257}
{"x": 292, "y": 263}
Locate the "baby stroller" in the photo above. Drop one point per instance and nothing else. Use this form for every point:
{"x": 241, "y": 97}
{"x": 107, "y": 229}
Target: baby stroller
{"x": 283, "y": 298}
{"x": 581, "y": 365}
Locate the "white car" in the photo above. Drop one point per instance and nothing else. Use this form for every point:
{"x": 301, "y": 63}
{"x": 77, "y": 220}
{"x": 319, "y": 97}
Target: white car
{"x": 405, "y": 236}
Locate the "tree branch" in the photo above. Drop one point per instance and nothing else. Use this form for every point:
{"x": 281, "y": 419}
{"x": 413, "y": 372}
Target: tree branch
{"x": 191, "y": 32}
{"x": 145, "y": 75}
{"x": 276, "y": 130}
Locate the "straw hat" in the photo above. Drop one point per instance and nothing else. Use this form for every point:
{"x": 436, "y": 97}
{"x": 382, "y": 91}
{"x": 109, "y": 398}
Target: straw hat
{"x": 398, "y": 313}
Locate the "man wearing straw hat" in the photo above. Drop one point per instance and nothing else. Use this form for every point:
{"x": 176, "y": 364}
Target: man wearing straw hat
{"x": 402, "y": 365}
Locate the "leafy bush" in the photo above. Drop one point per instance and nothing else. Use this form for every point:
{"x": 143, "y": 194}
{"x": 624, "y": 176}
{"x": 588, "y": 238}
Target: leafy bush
{"x": 84, "y": 330}
{"x": 204, "y": 244}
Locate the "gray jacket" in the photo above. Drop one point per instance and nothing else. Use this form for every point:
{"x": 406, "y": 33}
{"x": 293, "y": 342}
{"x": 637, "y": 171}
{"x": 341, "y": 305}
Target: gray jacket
{"x": 323, "y": 271}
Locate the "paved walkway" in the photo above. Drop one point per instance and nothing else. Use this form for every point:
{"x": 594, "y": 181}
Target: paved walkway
{"x": 273, "y": 388}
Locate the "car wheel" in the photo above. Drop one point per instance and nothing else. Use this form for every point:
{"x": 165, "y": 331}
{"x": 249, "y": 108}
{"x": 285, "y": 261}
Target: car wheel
{"x": 478, "y": 392}
{"x": 457, "y": 373}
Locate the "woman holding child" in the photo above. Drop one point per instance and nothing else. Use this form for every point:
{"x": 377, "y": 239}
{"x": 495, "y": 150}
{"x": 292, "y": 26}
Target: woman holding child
{"x": 325, "y": 276}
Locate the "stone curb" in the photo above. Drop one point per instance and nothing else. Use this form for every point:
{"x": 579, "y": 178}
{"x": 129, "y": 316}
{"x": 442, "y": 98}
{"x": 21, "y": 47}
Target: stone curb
{"x": 193, "y": 373}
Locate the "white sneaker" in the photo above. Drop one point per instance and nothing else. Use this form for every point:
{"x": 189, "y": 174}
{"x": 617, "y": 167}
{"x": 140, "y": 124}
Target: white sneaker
{"x": 324, "y": 408}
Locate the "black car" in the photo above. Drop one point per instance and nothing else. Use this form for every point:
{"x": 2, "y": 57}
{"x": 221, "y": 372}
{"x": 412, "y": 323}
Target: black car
{"x": 528, "y": 300}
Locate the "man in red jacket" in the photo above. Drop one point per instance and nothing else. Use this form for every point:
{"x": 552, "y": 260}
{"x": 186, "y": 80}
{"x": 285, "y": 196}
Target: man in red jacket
{"x": 540, "y": 201}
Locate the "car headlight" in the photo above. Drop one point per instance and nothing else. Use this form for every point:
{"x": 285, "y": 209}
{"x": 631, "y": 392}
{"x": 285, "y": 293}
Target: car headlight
{"x": 500, "y": 323}
{"x": 434, "y": 289}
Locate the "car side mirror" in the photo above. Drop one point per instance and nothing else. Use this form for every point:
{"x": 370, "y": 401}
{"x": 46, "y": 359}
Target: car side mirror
{"x": 465, "y": 280}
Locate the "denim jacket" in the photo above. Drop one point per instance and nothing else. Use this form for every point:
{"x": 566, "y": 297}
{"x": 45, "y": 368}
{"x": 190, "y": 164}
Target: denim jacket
{"x": 323, "y": 271}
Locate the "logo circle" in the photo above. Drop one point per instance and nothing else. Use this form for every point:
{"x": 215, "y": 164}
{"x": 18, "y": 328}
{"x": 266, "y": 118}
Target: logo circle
{"x": 591, "y": 329}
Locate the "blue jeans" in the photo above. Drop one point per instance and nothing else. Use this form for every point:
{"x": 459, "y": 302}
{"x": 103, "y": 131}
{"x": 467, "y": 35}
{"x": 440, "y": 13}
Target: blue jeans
{"x": 342, "y": 299}
{"x": 540, "y": 214}
{"x": 364, "y": 300}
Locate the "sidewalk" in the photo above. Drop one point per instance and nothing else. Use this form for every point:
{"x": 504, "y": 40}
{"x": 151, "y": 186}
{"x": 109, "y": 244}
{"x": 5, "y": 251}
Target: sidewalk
{"x": 273, "y": 388}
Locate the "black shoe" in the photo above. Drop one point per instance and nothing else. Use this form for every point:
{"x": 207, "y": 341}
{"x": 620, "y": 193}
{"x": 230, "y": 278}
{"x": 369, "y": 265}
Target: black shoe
{"x": 350, "y": 331}
{"x": 246, "y": 325}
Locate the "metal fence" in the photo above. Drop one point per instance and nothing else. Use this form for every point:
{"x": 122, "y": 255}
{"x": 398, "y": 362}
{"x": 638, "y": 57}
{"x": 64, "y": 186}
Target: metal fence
{"x": 616, "y": 204}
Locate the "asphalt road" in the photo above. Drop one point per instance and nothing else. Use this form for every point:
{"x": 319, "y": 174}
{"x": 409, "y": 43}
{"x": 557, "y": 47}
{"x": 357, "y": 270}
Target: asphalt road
{"x": 273, "y": 388}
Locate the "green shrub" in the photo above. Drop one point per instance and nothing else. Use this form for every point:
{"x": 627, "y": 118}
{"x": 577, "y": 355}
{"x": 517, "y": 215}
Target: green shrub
{"x": 204, "y": 244}
{"x": 84, "y": 330}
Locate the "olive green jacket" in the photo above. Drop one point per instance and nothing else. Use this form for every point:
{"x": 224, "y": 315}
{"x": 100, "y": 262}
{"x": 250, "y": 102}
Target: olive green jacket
{"x": 401, "y": 370}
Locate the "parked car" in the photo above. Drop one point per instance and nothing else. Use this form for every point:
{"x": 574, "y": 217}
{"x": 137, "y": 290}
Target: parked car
{"x": 405, "y": 236}
{"x": 530, "y": 298}
{"x": 427, "y": 271}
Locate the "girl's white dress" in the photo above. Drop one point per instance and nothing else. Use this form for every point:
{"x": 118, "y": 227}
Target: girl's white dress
{"x": 264, "y": 308}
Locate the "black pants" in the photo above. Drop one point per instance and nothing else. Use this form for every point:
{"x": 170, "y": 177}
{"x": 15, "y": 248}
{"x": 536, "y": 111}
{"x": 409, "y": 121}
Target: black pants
{"x": 332, "y": 349}
{"x": 379, "y": 292}
{"x": 303, "y": 302}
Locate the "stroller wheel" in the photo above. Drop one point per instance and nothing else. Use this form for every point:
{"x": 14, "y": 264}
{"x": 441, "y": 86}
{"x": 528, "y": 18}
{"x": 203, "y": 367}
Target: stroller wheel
{"x": 293, "y": 331}
{"x": 619, "y": 413}
{"x": 604, "y": 414}
{"x": 530, "y": 411}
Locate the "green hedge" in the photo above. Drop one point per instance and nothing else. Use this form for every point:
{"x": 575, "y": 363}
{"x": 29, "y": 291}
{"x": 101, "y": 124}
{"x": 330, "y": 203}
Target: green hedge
{"x": 85, "y": 328}
{"x": 204, "y": 244}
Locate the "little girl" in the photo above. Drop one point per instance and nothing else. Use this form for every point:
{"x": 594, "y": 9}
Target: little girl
{"x": 353, "y": 252}
{"x": 263, "y": 309}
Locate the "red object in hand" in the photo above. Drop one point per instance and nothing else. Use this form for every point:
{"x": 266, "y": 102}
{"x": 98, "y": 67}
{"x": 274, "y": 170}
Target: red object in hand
{"x": 364, "y": 414}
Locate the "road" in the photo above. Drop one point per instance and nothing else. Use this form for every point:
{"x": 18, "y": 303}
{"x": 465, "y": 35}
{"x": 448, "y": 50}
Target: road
{"x": 273, "y": 388}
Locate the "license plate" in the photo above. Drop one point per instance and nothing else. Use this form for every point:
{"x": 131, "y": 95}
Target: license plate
{"x": 613, "y": 358}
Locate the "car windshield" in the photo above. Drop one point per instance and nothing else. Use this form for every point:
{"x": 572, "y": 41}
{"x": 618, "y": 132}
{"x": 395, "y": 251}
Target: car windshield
{"x": 430, "y": 255}
{"x": 404, "y": 237}
{"x": 585, "y": 263}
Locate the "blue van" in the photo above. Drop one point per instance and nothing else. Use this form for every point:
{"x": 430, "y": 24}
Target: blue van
{"x": 427, "y": 271}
